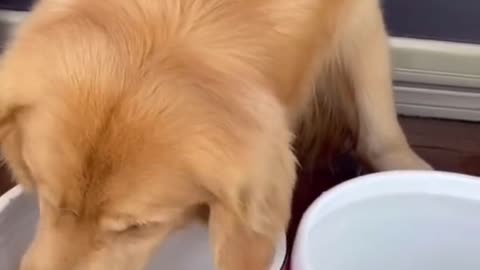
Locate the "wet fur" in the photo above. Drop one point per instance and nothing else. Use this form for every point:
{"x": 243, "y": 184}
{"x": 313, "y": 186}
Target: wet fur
{"x": 127, "y": 117}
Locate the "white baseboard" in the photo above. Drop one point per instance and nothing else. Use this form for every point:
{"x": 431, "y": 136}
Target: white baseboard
{"x": 437, "y": 79}
{"x": 9, "y": 20}
{"x": 12, "y": 17}
{"x": 438, "y": 112}
{"x": 428, "y": 101}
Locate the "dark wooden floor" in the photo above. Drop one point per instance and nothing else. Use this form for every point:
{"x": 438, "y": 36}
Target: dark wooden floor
{"x": 447, "y": 145}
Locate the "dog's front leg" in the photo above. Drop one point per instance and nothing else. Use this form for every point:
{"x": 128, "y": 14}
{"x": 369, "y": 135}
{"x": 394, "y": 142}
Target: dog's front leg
{"x": 365, "y": 53}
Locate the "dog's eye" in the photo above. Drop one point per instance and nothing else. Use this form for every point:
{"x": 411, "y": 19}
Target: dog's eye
{"x": 138, "y": 228}
{"x": 126, "y": 225}
{"x": 134, "y": 227}
{"x": 119, "y": 226}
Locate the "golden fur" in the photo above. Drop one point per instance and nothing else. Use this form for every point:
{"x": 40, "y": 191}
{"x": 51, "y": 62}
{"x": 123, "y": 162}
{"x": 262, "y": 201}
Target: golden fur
{"x": 128, "y": 117}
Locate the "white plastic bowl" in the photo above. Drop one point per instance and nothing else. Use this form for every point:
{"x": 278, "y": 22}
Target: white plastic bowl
{"x": 18, "y": 217}
{"x": 408, "y": 220}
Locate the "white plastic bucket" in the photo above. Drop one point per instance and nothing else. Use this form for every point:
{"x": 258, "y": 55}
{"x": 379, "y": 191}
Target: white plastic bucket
{"x": 408, "y": 220}
{"x": 186, "y": 250}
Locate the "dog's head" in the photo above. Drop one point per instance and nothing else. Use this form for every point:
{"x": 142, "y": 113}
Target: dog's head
{"x": 123, "y": 146}
{"x": 106, "y": 156}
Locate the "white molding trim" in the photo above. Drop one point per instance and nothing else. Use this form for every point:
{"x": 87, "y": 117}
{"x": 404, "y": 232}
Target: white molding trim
{"x": 437, "y": 79}
{"x": 438, "y": 103}
{"x": 436, "y": 62}
{"x": 12, "y": 17}
{"x": 438, "y": 112}
{"x": 9, "y": 20}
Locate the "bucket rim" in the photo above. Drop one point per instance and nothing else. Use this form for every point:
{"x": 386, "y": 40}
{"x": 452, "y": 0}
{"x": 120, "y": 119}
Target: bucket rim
{"x": 377, "y": 184}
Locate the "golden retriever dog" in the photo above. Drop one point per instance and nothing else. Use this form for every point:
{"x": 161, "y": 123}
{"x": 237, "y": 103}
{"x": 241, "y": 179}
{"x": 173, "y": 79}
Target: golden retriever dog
{"x": 129, "y": 117}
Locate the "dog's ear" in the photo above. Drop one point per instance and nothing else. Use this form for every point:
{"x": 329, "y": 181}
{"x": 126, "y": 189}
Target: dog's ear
{"x": 8, "y": 110}
{"x": 246, "y": 229}
{"x": 237, "y": 245}
{"x": 16, "y": 92}
{"x": 253, "y": 210}
{"x": 10, "y": 141}
{"x": 248, "y": 169}
{"x": 5, "y": 120}
{"x": 11, "y": 102}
